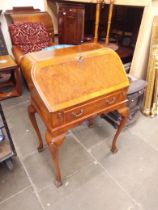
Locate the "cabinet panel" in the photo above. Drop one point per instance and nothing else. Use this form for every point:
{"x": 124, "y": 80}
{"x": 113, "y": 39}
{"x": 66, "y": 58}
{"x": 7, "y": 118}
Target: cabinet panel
{"x": 71, "y": 23}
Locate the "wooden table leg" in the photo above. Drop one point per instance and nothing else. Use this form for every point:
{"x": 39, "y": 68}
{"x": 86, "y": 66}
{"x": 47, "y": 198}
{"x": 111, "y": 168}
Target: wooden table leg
{"x": 91, "y": 122}
{"x": 31, "y": 112}
{"x": 97, "y": 17}
{"x": 54, "y": 144}
{"x": 124, "y": 116}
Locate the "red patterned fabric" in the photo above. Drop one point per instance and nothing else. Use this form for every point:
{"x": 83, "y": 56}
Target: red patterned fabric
{"x": 29, "y": 37}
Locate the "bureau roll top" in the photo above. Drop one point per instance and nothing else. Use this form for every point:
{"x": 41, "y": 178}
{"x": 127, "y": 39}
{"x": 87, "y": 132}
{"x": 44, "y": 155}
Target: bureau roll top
{"x": 73, "y": 78}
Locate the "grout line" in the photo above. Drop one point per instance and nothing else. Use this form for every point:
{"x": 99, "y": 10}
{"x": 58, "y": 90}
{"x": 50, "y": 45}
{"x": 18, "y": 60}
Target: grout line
{"x": 32, "y": 184}
{"x": 28, "y": 176}
{"x": 10, "y": 108}
{"x": 64, "y": 185}
{"x": 78, "y": 170}
{"x": 15, "y": 194}
{"x": 28, "y": 155}
{"x": 97, "y": 144}
{"x": 106, "y": 171}
{"x": 45, "y": 146}
{"x": 65, "y": 178}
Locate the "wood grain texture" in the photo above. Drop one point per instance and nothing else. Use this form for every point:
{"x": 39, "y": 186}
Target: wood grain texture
{"x": 71, "y": 23}
{"x": 68, "y": 77}
{"x": 7, "y": 62}
{"x": 71, "y": 85}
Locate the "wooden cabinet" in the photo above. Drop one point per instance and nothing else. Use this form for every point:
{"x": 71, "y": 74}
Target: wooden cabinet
{"x": 10, "y": 78}
{"x": 71, "y": 23}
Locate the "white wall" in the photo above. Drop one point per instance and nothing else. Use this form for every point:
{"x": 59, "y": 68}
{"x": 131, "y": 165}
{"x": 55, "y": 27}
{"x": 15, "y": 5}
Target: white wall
{"x": 8, "y": 4}
{"x": 52, "y": 9}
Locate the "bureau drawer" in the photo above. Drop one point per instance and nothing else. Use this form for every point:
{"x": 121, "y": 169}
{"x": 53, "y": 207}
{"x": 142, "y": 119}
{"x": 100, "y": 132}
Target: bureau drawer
{"x": 93, "y": 107}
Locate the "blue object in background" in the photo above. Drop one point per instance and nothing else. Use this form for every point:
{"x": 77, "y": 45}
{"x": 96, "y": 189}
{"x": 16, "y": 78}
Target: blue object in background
{"x": 59, "y": 46}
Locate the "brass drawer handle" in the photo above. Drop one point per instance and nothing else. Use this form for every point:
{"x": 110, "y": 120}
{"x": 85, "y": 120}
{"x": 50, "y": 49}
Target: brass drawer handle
{"x": 79, "y": 114}
{"x": 111, "y": 100}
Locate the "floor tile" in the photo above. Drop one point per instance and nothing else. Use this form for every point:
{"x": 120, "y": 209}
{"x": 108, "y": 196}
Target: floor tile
{"x": 146, "y": 128}
{"x": 89, "y": 189}
{"x": 22, "y": 132}
{"x": 17, "y": 116}
{"x": 12, "y": 181}
{"x": 90, "y": 137}
{"x": 79, "y": 179}
{"x": 72, "y": 158}
{"x": 10, "y": 103}
{"x": 134, "y": 167}
{"x": 22, "y": 201}
{"x": 94, "y": 178}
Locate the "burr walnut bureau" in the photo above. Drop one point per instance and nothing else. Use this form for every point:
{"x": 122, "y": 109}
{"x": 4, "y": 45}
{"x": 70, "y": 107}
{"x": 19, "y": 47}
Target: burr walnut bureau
{"x": 70, "y": 85}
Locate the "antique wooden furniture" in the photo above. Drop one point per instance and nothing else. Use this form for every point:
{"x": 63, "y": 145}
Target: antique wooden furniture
{"x": 135, "y": 99}
{"x": 108, "y": 23}
{"x": 71, "y": 23}
{"x": 25, "y": 9}
{"x": 8, "y": 67}
{"x": 24, "y": 16}
{"x": 79, "y": 83}
{"x": 28, "y": 37}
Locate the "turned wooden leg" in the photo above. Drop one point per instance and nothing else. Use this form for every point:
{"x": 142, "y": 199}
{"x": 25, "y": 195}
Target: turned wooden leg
{"x": 54, "y": 144}
{"x": 124, "y": 116}
{"x": 31, "y": 112}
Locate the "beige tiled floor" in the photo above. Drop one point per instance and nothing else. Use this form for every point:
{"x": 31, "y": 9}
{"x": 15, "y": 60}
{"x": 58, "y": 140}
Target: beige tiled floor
{"x": 94, "y": 179}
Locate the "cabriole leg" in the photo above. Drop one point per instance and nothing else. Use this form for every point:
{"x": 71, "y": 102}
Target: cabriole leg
{"x": 31, "y": 112}
{"x": 54, "y": 144}
{"x": 124, "y": 116}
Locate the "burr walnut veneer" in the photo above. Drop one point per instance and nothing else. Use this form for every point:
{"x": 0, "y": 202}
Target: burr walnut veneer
{"x": 70, "y": 85}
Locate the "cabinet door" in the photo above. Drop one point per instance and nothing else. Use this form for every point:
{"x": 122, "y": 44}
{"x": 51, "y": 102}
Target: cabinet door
{"x": 71, "y": 24}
